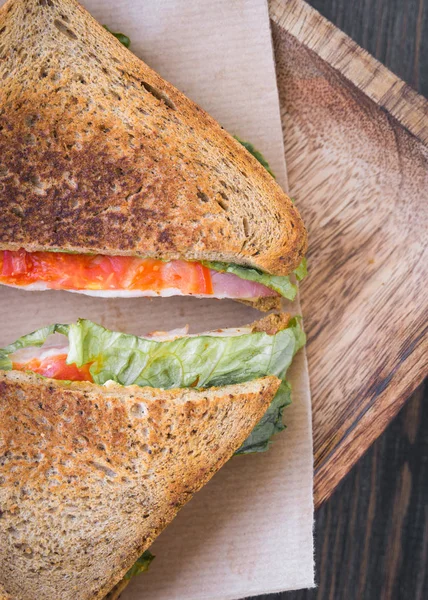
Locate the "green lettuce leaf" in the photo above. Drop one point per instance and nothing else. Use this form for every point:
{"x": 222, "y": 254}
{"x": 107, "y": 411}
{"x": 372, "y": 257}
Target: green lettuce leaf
{"x": 194, "y": 361}
{"x": 301, "y": 270}
{"x": 257, "y": 155}
{"x": 199, "y": 361}
{"x": 280, "y": 284}
{"x": 271, "y": 423}
{"x": 141, "y": 565}
{"x": 123, "y": 39}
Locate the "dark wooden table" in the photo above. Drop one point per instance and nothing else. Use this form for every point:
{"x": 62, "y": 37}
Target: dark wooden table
{"x": 371, "y": 537}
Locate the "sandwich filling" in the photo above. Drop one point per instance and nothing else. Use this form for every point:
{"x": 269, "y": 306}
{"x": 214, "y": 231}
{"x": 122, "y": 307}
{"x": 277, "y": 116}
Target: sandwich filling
{"x": 129, "y": 276}
{"x": 85, "y": 351}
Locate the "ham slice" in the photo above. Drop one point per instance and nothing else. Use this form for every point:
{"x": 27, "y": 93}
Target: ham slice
{"x": 228, "y": 285}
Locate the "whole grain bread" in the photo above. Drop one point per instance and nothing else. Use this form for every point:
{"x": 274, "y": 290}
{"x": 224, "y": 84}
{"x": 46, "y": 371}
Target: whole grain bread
{"x": 99, "y": 154}
{"x": 4, "y": 596}
{"x": 116, "y": 592}
{"x": 264, "y": 304}
{"x": 90, "y": 475}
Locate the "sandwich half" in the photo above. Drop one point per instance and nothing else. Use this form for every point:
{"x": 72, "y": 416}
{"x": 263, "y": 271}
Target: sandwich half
{"x": 91, "y": 475}
{"x": 104, "y": 436}
{"x": 113, "y": 183}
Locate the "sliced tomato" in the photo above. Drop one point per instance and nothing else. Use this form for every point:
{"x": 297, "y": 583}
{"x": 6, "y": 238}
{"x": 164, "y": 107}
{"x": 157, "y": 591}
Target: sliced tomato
{"x": 59, "y": 270}
{"x": 56, "y": 367}
{"x": 188, "y": 277}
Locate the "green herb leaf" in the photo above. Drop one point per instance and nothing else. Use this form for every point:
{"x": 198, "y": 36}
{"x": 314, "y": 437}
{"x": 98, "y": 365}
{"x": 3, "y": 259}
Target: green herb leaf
{"x": 257, "y": 155}
{"x": 141, "y": 565}
{"x": 123, "y": 39}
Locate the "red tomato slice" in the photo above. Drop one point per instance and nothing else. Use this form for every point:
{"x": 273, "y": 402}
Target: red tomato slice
{"x": 188, "y": 277}
{"x": 55, "y": 367}
{"x": 59, "y": 270}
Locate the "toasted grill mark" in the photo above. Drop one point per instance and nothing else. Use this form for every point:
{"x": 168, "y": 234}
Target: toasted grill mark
{"x": 165, "y": 237}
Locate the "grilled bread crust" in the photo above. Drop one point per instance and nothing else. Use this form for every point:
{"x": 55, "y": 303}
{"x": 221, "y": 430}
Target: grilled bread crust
{"x": 90, "y": 475}
{"x": 99, "y": 154}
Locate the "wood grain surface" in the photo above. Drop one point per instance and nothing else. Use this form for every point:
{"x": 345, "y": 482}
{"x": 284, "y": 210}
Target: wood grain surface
{"x": 393, "y": 31}
{"x": 371, "y": 537}
{"x": 357, "y": 157}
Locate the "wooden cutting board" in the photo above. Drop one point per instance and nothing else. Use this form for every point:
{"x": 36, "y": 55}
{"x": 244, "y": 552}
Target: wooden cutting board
{"x": 356, "y": 144}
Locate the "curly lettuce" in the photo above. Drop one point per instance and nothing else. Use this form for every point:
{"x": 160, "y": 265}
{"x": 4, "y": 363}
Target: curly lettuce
{"x": 194, "y": 361}
{"x": 302, "y": 270}
{"x": 35, "y": 339}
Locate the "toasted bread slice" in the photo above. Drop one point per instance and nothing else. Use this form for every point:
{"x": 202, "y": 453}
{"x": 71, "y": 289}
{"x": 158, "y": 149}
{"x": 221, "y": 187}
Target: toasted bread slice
{"x": 99, "y": 154}
{"x": 264, "y": 304}
{"x": 90, "y": 475}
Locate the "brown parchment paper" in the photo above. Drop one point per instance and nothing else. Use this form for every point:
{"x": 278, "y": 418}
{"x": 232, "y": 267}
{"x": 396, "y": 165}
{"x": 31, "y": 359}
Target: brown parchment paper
{"x": 249, "y": 531}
